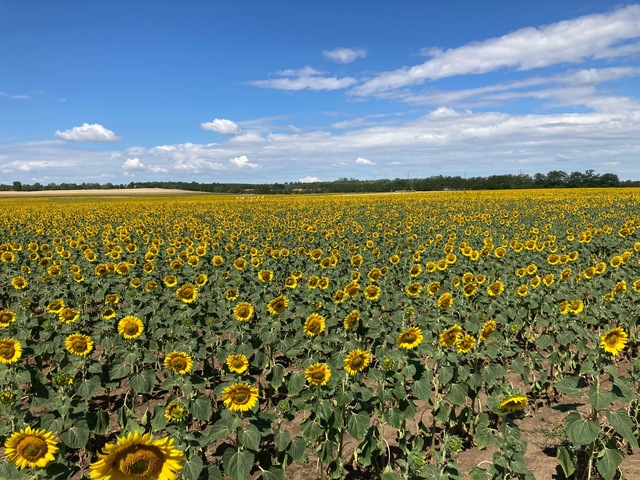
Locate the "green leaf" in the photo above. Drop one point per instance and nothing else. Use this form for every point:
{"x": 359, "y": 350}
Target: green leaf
{"x": 568, "y": 461}
{"x": 458, "y": 393}
{"x": 276, "y": 376}
{"x": 581, "y": 431}
{"x": 77, "y": 436}
{"x": 119, "y": 370}
{"x": 600, "y": 400}
{"x": 274, "y": 473}
{"x": 390, "y": 476}
{"x": 201, "y": 408}
{"x": 608, "y": 462}
{"x": 102, "y": 423}
{"x": 237, "y": 465}
{"x": 282, "y": 440}
{"x": 296, "y": 383}
{"x": 192, "y": 468}
{"x": 219, "y": 431}
{"x": 250, "y": 437}
{"x": 298, "y": 449}
{"x": 143, "y": 382}
{"x": 422, "y": 389}
{"x": 621, "y": 423}
{"x": 478, "y": 474}
{"x": 571, "y": 386}
{"x": 358, "y": 425}
{"x": 88, "y": 387}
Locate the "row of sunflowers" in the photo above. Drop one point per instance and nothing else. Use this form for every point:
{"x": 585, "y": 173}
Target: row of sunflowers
{"x": 201, "y": 336}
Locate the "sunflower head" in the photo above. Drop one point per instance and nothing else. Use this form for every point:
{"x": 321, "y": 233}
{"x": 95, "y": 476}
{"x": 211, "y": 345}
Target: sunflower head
{"x": 514, "y": 403}
{"x": 237, "y": 363}
{"x": 318, "y": 374}
{"x": 614, "y": 341}
{"x": 352, "y": 319}
{"x": 410, "y": 338}
{"x": 243, "y": 312}
{"x": 175, "y": 412}
{"x": 240, "y": 397}
{"x": 10, "y": 350}
{"x": 278, "y": 305}
{"x": 314, "y": 325}
{"x": 68, "y": 315}
{"x": 138, "y": 456}
{"x": 487, "y": 329}
{"x": 7, "y": 317}
{"x": 450, "y": 336}
{"x": 179, "y": 362}
{"x": 357, "y": 361}
{"x": 465, "y": 344}
{"x": 187, "y": 293}
{"x": 78, "y": 344}
{"x": 30, "y": 448}
{"x": 372, "y": 292}
{"x": 130, "y": 327}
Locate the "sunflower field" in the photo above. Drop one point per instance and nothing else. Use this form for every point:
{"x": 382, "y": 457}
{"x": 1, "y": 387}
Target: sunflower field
{"x": 241, "y": 337}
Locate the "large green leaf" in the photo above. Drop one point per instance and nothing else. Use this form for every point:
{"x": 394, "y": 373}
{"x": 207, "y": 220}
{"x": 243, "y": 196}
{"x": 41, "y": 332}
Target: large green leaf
{"x": 236, "y": 464}
{"x": 201, "y": 408}
{"x": 77, "y": 436}
{"x": 192, "y": 468}
{"x": 608, "y": 461}
{"x": 581, "y": 431}
{"x": 358, "y": 425}
{"x": 622, "y": 423}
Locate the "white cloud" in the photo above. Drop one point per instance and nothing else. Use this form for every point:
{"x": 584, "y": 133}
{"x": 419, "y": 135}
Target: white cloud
{"x": 88, "y": 133}
{"x": 590, "y": 37}
{"x": 344, "y": 55}
{"x": 134, "y": 164}
{"x": 306, "y": 78}
{"x": 308, "y": 179}
{"x": 221, "y": 126}
{"x": 243, "y": 162}
{"x": 364, "y": 161}
{"x": 15, "y": 96}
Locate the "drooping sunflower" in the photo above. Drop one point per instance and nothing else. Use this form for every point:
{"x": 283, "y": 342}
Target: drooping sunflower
{"x": 68, "y": 315}
{"x": 357, "y": 361}
{"x": 465, "y": 344}
{"x": 243, "y": 312}
{"x": 314, "y": 324}
{"x": 278, "y": 305}
{"x": 7, "y": 317}
{"x": 614, "y": 341}
{"x": 372, "y": 292}
{"x": 340, "y": 296}
{"x": 515, "y": 403}
{"x": 138, "y": 456}
{"x": 317, "y": 374}
{"x": 487, "y": 329}
{"x": 451, "y": 336}
{"x": 231, "y": 294}
{"x": 352, "y": 319}
{"x": 410, "y": 338}
{"x": 174, "y": 412}
{"x": 187, "y": 293}
{"x": 78, "y": 344}
{"x": 240, "y": 397}
{"x": 55, "y": 306}
{"x": 179, "y": 362}
{"x": 237, "y": 363}
{"x": 30, "y": 448}
{"x": 130, "y": 327}
{"x": 10, "y": 350}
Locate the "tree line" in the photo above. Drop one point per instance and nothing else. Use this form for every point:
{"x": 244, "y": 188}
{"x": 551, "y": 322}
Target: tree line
{"x": 552, "y": 179}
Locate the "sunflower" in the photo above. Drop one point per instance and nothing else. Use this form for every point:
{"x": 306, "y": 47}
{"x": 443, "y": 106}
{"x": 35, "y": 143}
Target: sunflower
{"x": 187, "y": 293}
{"x": 265, "y": 276}
{"x": 231, "y": 294}
{"x": 217, "y": 261}
{"x": 318, "y": 374}
{"x": 372, "y": 292}
{"x": 179, "y": 362}
{"x": 451, "y": 336}
{"x": 68, "y": 315}
{"x": 19, "y": 283}
{"x": 415, "y": 270}
{"x": 170, "y": 280}
{"x": 340, "y": 296}
{"x": 7, "y": 317}
{"x": 352, "y": 319}
{"x": 10, "y": 350}
{"x": 312, "y": 282}
{"x": 138, "y": 456}
{"x": 174, "y": 412}
{"x": 130, "y": 327}
{"x": 465, "y": 344}
{"x": 108, "y": 314}
{"x": 469, "y": 289}
{"x": 515, "y": 403}
{"x": 410, "y": 338}
{"x": 30, "y": 448}
{"x": 352, "y": 289}
{"x": 413, "y": 289}
{"x": 523, "y": 290}
{"x": 78, "y": 344}
{"x": 614, "y": 341}
{"x": 237, "y": 363}
{"x": 201, "y": 280}
{"x": 576, "y": 306}
{"x": 243, "y": 312}
{"x": 314, "y": 325}
{"x": 495, "y": 288}
{"x": 278, "y": 305}
{"x": 323, "y": 283}
{"x": 240, "y": 397}
{"x": 356, "y": 361}
{"x": 487, "y": 329}
{"x": 445, "y": 301}
{"x": 433, "y": 288}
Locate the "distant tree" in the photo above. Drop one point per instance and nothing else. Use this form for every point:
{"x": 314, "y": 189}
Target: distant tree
{"x": 17, "y": 186}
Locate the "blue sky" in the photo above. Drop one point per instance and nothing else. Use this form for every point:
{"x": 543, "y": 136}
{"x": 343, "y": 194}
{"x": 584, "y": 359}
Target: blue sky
{"x": 285, "y": 91}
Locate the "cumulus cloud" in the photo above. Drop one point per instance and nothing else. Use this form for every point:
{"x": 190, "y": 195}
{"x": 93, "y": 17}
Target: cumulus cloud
{"x": 308, "y": 179}
{"x": 306, "y": 78}
{"x": 364, "y": 161}
{"x": 88, "y": 133}
{"x": 243, "y": 162}
{"x": 598, "y": 36}
{"x": 221, "y": 126}
{"x": 134, "y": 164}
{"x": 344, "y": 55}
